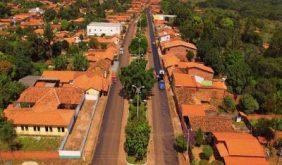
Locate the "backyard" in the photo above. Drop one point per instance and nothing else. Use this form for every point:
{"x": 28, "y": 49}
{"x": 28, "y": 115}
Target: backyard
{"x": 31, "y": 143}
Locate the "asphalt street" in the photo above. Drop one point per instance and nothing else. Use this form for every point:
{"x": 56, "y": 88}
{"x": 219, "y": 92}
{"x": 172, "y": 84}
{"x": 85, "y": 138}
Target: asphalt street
{"x": 107, "y": 148}
{"x": 163, "y": 136}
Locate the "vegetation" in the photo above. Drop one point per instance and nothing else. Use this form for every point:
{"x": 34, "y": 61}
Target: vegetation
{"x": 230, "y": 36}
{"x": 180, "y": 143}
{"x": 7, "y": 132}
{"x": 137, "y": 133}
{"x": 228, "y": 104}
{"x": 79, "y": 62}
{"x": 138, "y": 45}
{"x": 136, "y": 74}
{"x": 199, "y": 137}
{"x": 207, "y": 152}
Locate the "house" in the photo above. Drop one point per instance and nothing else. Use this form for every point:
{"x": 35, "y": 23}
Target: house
{"x": 109, "y": 54}
{"x": 45, "y": 110}
{"x": 178, "y": 47}
{"x": 202, "y": 89}
{"x": 239, "y": 148}
{"x": 88, "y": 81}
{"x": 104, "y": 28}
{"x": 200, "y": 70}
{"x": 193, "y": 110}
{"x": 36, "y": 10}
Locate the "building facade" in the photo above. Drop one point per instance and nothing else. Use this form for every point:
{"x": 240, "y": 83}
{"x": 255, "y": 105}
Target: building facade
{"x": 100, "y": 28}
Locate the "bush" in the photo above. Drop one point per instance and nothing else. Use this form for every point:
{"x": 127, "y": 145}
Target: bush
{"x": 249, "y": 104}
{"x": 207, "y": 152}
{"x": 199, "y": 137}
{"x": 60, "y": 62}
{"x": 228, "y": 104}
{"x": 180, "y": 144}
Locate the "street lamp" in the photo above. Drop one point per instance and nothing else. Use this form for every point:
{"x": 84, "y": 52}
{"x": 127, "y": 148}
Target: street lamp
{"x": 138, "y": 92}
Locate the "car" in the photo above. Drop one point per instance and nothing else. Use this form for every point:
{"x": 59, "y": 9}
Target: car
{"x": 161, "y": 84}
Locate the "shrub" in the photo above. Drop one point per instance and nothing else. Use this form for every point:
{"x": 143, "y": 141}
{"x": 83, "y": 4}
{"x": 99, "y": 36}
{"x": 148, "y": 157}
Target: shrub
{"x": 199, "y": 137}
{"x": 207, "y": 152}
{"x": 228, "y": 104}
{"x": 180, "y": 144}
{"x": 203, "y": 162}
{"x": 249, "y": 104}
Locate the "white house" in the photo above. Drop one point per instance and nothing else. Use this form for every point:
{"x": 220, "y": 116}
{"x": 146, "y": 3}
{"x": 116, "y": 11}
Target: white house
{"x": 36, "y": 10}
{"x": 164, "y": 37}
{"x": 100, "y": 28}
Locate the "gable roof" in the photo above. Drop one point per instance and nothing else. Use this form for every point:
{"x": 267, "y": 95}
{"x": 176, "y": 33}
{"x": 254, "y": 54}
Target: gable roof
{"x": 170, "y": 60}
{"x": 184, "y": 80}
{"x": 177, "y": 42}
{"x": 200, "y": 66}
{"x": 233, "y": 145}
{"x": 45, "y": 109}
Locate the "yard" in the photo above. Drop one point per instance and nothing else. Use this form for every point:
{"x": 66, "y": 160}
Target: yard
{"x": 32, "y": 143}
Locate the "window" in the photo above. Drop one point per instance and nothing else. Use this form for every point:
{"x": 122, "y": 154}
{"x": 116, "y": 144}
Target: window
{"x": 26, "y": 128}
{"x": 22, "y": 128}
{"x": 46, "y": 129}
{"x": 61, "y": 129}
{"x": 50, "y": 128}
{"x": 36, "y": 128}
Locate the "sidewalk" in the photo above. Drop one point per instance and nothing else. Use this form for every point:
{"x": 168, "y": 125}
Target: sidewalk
{"x": 79, "y": 130}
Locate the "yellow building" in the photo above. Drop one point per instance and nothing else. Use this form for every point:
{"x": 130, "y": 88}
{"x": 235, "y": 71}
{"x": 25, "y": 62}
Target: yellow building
{"x": 45, "y": 110}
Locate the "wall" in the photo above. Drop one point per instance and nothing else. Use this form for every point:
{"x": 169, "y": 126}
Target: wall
{"x": 42, "y": 131}
{"x": 99, "y": 30}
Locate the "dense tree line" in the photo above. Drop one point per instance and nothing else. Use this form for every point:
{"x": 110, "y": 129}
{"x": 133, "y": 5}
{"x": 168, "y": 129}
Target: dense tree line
{"x": 230, "y": 42}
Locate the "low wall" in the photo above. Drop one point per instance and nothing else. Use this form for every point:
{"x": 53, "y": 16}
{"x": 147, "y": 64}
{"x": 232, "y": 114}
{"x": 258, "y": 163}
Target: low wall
{"x": 39, "y": 155}
{"x": 69, "y": 154}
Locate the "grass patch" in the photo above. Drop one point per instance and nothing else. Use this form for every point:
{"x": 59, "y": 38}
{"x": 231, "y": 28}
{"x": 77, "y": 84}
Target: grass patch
{"x": 132, "y": 160}
{"x": 29, "y": 143}
{"x": 32, "y": 143}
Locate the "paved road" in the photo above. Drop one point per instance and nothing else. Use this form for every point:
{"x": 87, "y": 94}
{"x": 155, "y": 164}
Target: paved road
{"x": 107, "y": 149}
{"x": 162, "y": 124}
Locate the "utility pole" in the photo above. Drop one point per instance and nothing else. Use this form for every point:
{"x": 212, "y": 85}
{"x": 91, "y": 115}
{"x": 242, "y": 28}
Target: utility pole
{"x": 138, "y": 92}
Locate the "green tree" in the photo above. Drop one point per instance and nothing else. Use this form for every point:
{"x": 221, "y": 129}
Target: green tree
{"x": 60, "y": 62}
{"x": 228, "y": 104}
{"x": 50, "y": 15}
{"x": 65, "y": 24}
{"x": 136, "y": 74}
{"x": 5, "y": 11}
{"x": 138, "y": 44}
{"x": 275, "y": 47}
{"x": 137, "y": 139}
{"x": 7, "y": 132}
{"x": 180, "y": 143}
{"x": 79, "y": 62}
{"x": 199, "y": 137}
{"x": 249, "y": 104}
{"x": 49, "y": 36}
{"x": 93, "y": 43}
{"x": 207, "y": 152}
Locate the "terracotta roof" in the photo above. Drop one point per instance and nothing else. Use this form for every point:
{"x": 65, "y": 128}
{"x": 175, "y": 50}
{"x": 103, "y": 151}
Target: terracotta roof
{"x": 170, "y": 60}
{"x": 175, "y": 43}
{"x": 109, "y": 53}
{"x": 193, "y": 110}
{"x": 221, "y": 148}
{"x": 82, "y": 80}
{"x": 63, "y": 76}
{"x": 239, "y": 148}
{"x": 184, "y": 80}
{"x": 230, "y": 160}
{"x": 199, "y": 66}
{"x": 45, "y": 109}
{"x": 211, "y": 123}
